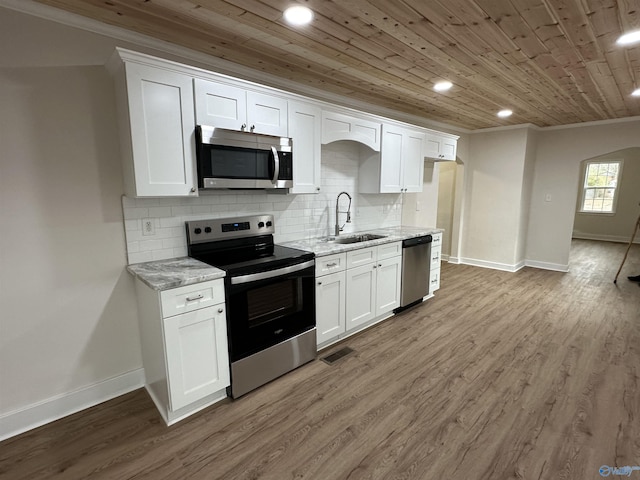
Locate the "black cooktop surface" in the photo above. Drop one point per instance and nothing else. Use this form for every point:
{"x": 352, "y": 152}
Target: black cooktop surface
{"x": 252, "y": 260}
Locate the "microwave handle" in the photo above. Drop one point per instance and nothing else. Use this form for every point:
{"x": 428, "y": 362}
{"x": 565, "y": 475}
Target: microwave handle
{"x": 276, "y": 165}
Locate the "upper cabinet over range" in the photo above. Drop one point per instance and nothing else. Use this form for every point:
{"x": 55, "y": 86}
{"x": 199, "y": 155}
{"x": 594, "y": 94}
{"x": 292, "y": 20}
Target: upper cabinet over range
{"x": 226, "y": 106}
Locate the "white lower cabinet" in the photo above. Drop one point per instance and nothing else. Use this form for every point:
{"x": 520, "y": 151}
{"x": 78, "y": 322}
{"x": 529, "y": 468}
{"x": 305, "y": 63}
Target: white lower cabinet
{"x": 196, "y": 349}
{"x": 363, "y": 288}
{"x": 184, "y": 347}
{"x": 330, "y": 306}
{"x": 436, "y": 254}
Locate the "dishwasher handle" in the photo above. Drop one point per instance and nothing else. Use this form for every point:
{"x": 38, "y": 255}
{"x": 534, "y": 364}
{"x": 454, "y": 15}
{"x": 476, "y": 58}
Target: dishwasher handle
{"x": 413, "y": 242}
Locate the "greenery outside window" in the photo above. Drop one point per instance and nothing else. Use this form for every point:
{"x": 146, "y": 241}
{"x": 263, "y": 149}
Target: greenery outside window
{"x": 600, "y": 187}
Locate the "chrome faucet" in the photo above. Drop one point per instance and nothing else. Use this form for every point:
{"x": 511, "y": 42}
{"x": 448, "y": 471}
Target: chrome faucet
{"x": 338, "y": 212}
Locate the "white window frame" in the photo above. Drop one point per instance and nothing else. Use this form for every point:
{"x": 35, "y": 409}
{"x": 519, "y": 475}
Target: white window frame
{"x": 584, "y": 187}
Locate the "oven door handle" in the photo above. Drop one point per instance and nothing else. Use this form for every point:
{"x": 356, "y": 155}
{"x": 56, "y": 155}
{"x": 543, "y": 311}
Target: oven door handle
{"x": 253, "y": 277}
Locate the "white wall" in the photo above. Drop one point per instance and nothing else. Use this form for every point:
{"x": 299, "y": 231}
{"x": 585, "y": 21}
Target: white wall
{"x": 421, "y": 209}
{"x": 446, "y": 203}
{"x": 619, "y": 225}
{"x": 493, "y": 198}
{"x": 69, "y": 315}
{"x": 557, "y": 170}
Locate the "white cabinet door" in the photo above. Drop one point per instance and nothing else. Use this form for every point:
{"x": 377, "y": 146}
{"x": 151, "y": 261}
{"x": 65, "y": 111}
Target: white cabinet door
{"x": 440, "y": 147}
{"x": 388, "y": 285}
{"x": 413, "y": 161}
{"x": 449, "y": 147}
{"x": 266, "y": 114}
{"x": 220, "y": 105}
{"x": 197, "y": 357}
{"x": 330, "y": 306}
{"x": 361, "y": 292}
{"x": 391, "y": 159}
{"x": 235, "y": 108}
{"x": 401, "y": 159}
{"x": 305, "y": 128}
{"x": 162, "y": 128}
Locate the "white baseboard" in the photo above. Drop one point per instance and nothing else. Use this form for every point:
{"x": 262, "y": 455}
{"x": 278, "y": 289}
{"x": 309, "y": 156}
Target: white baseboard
{"x": 455, "y": 260}
{"x": 54, "y": 408}
{"x": 547, "y": 266}
{"x": 494, "y": 265}
{"x": 605, "y": 238}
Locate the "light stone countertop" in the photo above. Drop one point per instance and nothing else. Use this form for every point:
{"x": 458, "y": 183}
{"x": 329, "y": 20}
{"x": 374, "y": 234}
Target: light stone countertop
{"x": 393, "y": 234}
{"x": 174, "y": 272}
{"x": 178, "y": 272}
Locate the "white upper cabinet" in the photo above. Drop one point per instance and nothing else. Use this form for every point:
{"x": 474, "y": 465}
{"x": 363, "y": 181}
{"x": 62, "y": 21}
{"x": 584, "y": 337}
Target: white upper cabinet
{"x": 156, "y": 120}
{"x": 399, "y": 167}
{"x": 441, "y": 147}
{"x": 305, "y": 128}
{"x": 227, "y": 106}
{"x": 337, "y": 126}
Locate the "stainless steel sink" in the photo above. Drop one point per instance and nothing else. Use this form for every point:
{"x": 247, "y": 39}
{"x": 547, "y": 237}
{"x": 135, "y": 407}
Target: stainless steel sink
{"x": 365, "y": 237}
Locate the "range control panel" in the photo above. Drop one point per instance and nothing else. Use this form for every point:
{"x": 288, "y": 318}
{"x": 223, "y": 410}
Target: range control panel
{"x": 200, "y": 231}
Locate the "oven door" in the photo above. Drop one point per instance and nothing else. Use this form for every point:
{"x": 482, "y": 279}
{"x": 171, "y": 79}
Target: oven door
{"x": 266, "y": 308}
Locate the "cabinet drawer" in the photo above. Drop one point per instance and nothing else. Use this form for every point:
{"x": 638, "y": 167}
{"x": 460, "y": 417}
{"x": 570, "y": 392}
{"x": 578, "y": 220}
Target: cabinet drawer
{"x": 436, "y": 254}
{"x": 355, "y": 258}
{"x": 434, "y": 280}
{"x": 191, "y": 297}
{"x": 389, "y": 250}
{"x": 330, "y": 264}
{"x": 436, "y": 239}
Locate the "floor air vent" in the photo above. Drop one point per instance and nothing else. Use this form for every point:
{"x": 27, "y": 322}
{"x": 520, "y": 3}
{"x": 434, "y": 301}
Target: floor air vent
{"x": 337, "y": 355}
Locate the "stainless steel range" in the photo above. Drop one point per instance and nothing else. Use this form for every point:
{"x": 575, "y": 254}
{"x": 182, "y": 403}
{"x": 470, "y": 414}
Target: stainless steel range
{"x": 270, "y": 295}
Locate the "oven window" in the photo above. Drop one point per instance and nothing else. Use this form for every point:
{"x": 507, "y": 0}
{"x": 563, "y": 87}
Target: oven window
{"x": 274, "y": 301}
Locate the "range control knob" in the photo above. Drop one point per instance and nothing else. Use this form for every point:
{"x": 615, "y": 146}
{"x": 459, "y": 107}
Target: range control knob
{"x": 260, "y": 224}
{"x": 207, "y": 230}
{"x": 269, "y": 224}
{"x": 197, "y": 231}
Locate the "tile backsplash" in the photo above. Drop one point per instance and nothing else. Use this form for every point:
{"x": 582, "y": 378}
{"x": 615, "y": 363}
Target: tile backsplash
{"x": 296, "y": 216}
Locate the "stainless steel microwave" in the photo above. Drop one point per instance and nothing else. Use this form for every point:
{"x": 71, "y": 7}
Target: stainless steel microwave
{"x": 232, "y": 159}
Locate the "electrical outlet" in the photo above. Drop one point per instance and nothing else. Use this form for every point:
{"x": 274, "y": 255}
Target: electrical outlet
{"x": 148, "y": 226}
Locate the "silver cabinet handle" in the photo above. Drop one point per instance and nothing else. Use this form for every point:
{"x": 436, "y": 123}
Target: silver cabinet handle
{"x": 253, "y": 127}
{"x": 197, "y": 297}
{"x": 220, "y": 310}
{"x": 379, "y": 264}
{"x": 332, "y": 264}
{"x": 244, "y": 125}
{"x": 319, "y": 283}
{"x": 375, "y": 266}
{"x": 193, "y": 189}
{"x": 317, "y": 189}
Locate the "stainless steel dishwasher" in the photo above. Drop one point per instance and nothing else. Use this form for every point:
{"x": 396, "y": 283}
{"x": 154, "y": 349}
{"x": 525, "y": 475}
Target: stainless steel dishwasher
{"x": 416, "y": 264}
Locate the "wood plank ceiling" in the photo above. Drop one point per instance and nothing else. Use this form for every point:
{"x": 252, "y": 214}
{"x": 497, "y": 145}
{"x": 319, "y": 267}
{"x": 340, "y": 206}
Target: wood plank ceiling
{"x": 552, "y": 62}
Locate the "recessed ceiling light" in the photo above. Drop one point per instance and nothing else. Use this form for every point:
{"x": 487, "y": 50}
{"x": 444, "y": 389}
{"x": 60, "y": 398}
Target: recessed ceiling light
{"x": 504, "y": 113}
{"x": 629, "y": 38}
{"x": 298, "y": 15}
{"x": 636, "y": 92}
{"x": 442, "y": 86}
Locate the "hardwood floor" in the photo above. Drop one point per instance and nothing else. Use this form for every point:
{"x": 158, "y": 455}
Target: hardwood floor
{"x": 527, "y": 375}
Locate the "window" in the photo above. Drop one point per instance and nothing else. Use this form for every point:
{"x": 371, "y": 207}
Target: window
{"x": 600, "y": 188}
